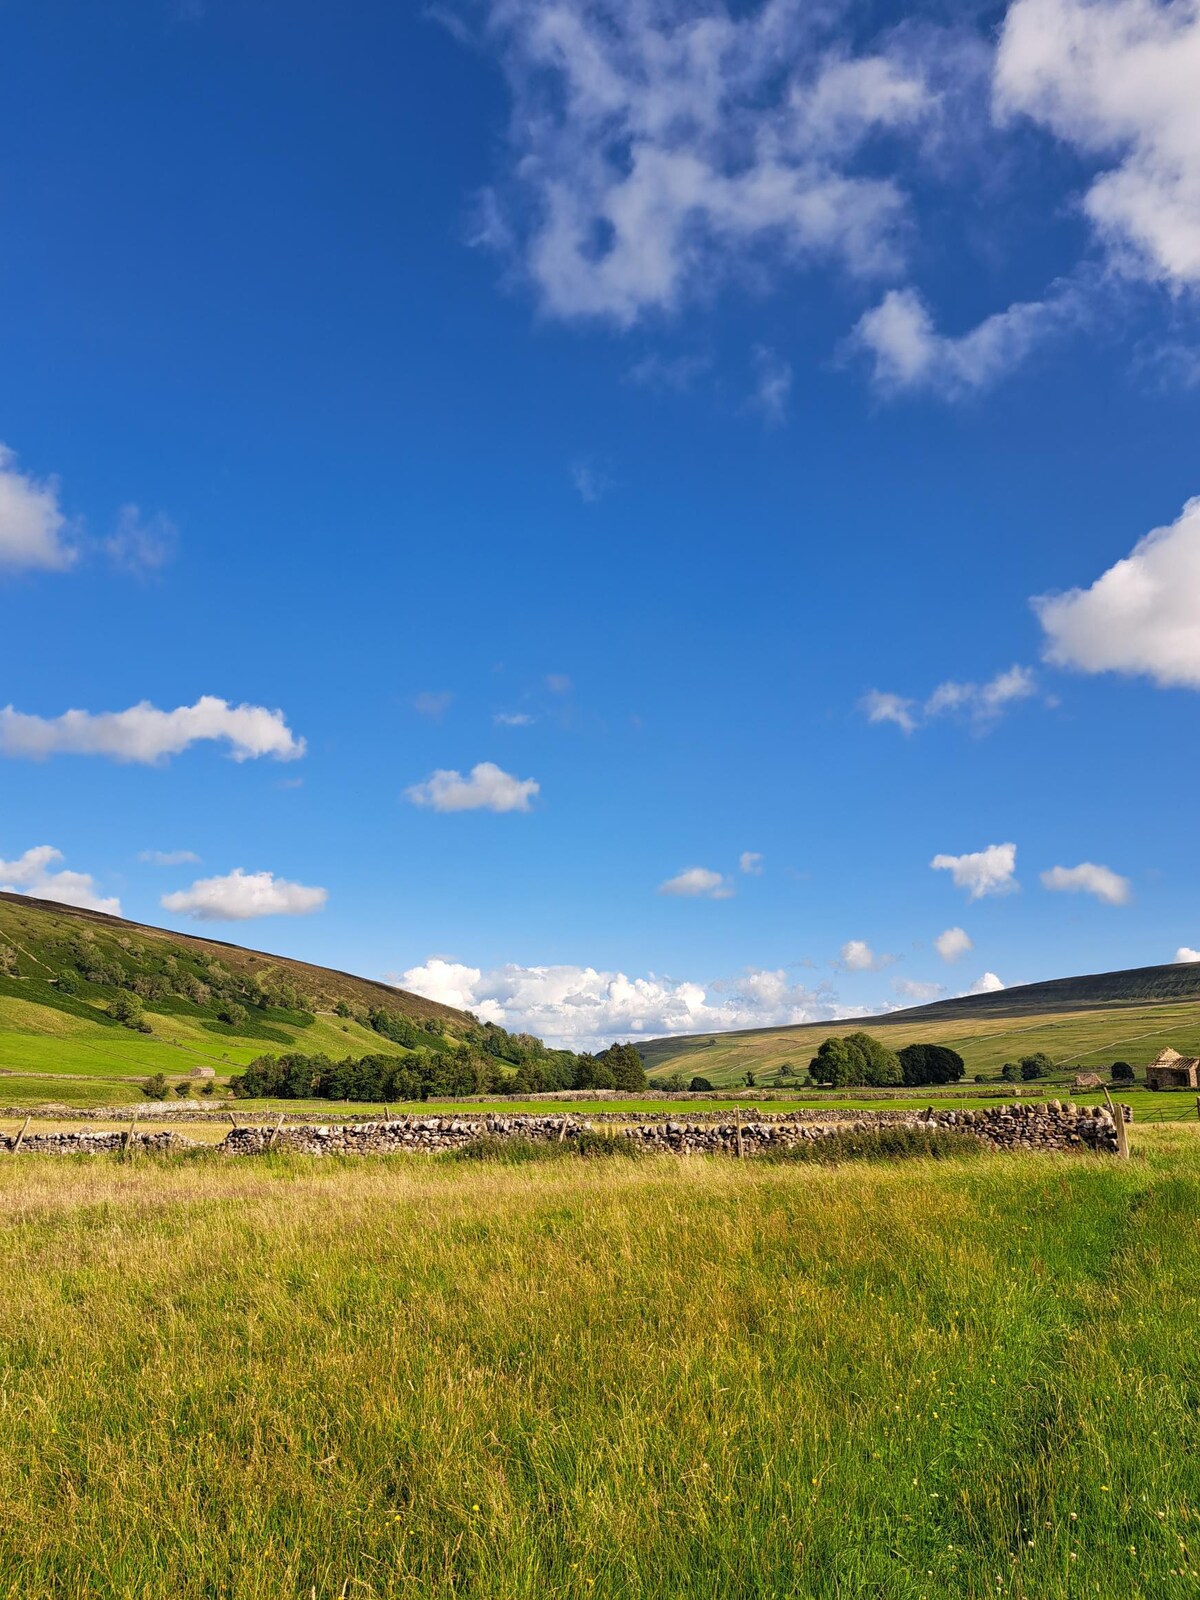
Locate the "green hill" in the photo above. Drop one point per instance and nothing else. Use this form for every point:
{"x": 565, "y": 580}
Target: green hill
{"x": 1082, "y": 1023}
{"x": 203, "y": 1003}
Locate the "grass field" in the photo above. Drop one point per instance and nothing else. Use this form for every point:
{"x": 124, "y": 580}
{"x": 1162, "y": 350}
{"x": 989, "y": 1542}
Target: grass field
{"x": 623, "y": 1379}
{"x": 1077, "y": 1040}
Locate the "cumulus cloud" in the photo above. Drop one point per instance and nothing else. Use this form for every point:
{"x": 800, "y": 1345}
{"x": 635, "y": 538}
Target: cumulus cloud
{"x": 147, "y": 735}
{"x": 31, "y": 874}
{"x": 751, "y": 863}
{"x": 239, "y": 896}
{"x": 982, "y": 872}
{"x": 168, "y": 858}
{"x": 33, "y": 527}
{"x": 908, "y": 354}
{"x": 582, "y": 1007}
{"x": 980, "y": 704}
{"x": 656, "y": 150}
{"x": 857, "y": 956}
{"x": 913, "y": 989}
{"x": 988, "y": 984}
{"x": 1117, "y": 80}
{"x": 951, "y": 944}
{"x": 1142, "y": 616}
{"x": 141, "y": 545}
{"x": 486, "y": 788}
{"x": 698, "y": 881}
{"x": 1088, "y": 878}
{"x": 1186, "y": 953}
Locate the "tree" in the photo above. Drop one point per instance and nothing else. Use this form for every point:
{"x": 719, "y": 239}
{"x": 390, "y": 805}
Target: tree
{"x": 231, "y": 1012}
{"x": 155, "y": 1088}
{"x": 624, "y": 1061}
{"x": 700, "y": 1086}
{"x": 67, "y": 981}
{"x": 930, "y": 1063}
{"x": 341, "y": 1009}
{"x": 126, "y": 1008}
{"x": 183, "y": 1088}
{"x": 1036, "y": 1066}
{"x": 591, "y": 1073}
{"x": 1011, "y": 1072}
{"x": 1122, "y": 1072}
{"x": 878, "y": 1067}
{"x": 750, "y": 1080}
{"x": 833, "y": 1063}
{"x": 786, "y": 1069}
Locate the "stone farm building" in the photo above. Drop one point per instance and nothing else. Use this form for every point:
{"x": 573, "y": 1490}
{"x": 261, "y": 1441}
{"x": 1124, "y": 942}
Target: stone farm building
{"x": 1170, "y": 1070}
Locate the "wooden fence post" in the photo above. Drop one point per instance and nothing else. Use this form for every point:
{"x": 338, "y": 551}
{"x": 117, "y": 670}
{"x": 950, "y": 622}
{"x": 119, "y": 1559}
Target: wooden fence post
{"x": 21, "y": 1135}
{"x": 741, "y": 1149}
{"x": 275, "y": 1134}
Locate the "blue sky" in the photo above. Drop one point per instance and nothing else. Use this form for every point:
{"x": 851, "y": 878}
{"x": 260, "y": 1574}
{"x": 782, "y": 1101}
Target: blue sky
{"x": 525, "y": 458}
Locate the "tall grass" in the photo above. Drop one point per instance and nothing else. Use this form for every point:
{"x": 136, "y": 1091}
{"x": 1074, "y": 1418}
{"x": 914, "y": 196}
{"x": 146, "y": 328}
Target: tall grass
{"x": 686, "y": 1379}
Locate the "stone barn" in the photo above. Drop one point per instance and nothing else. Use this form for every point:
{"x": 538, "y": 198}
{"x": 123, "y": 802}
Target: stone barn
{"x": 1170, "y": 1070}
{"x": 1088, "y": 1080}
{"x": 202, "y": 1072}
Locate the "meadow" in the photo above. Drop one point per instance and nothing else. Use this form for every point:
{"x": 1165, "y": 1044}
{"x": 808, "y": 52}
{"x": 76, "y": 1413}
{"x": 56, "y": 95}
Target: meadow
{"x": 662, "y": 1378}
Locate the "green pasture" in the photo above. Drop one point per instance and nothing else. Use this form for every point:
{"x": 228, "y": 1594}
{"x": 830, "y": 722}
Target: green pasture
{"x": 602, "y": 1380}
{"x": 1077, "y": 1041}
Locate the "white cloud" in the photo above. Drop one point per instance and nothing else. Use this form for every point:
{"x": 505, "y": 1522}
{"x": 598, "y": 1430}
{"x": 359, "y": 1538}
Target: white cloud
{"x": 951, "y": 944}
{"x": 433, "y": 703}
{"x": 913, "y": 989}
{"x": 1117, "y": 79}
{"x": 145, "y": 734}
{"x": 751, "y": 863}
{"x": 513, "y": 719}
{"x": 907, "y": 353}
{"x": 988, "y": 984}
{"x": 883, "y": 707}
{"x": 486, "y": 788}
{"x": 982, "y": 872}
{"x": 657, "y": 150}
{"x": 1088, "y": 878}
{"x": 30, "y": 874}
{"x": 857, "y": 956}
{"x": 582, "y": 1007}
{"x": 141, "y": 545}
{"x": 1185, "y": 953}
{"x": 239, "y": 896}
{"x": 772, "y": 385}
{"x": 694, "y": 881}
{"x": 1141, "y": 616}
{"x": 168, "y": 858}
{"x": 978, "y": 703}
{"x": 33, "y": 528}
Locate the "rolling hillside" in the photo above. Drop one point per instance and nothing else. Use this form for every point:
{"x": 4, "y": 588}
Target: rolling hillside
{"x": 1081, "y": 1023}
{"x": 204, "y": 1003}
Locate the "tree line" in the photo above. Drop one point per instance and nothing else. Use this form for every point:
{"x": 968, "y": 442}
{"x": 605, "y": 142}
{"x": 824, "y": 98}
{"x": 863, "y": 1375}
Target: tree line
{"x": 856, "y": 1060}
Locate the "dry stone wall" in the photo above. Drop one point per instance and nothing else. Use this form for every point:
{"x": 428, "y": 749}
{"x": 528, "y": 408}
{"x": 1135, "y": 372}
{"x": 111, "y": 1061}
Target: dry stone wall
{"x": 1050, "y": 1126}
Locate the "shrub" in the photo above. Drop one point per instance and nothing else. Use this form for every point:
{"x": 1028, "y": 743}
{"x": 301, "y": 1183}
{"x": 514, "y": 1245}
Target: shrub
{"x": 1036, "y": 1066}
{"x": 155, "y": 1088}
{"x": 508, "y": 1152}
{"x": 1122, "y": 1072}
{"x": 127, "y": 1008}
{"x": 67, "y": 981}
{"x": 700, "y": 1086}
{"x": 183, "y": 1088}
{"x": 233, "y": 1013}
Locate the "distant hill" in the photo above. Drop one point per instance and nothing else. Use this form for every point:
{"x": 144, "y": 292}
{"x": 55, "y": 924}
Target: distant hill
{"x": 1081, "y": 1021}
{"x": 205, "y": 1003}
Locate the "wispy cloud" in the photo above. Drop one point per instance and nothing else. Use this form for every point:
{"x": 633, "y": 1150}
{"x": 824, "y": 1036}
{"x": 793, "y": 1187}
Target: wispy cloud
{"x": 698, "y": 882}
{"x": 141, "y": 545}
{"x": 433, "y": 703}
{"x": 168, "y": 858}
{"x": 590, "y": 482}
{"x": 751, "y": 863}
{"x": 980, "y": 704}
{"x": 1088, "y": 878}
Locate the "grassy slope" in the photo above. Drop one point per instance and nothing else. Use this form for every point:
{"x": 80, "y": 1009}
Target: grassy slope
{"x": 1076, "y": 1035}
{"x": 700, "y": 1380}
{"x": 52, "y": 1043}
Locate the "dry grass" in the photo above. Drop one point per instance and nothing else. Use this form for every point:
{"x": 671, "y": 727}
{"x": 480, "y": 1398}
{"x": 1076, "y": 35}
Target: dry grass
{"x": 666, "y": 1378}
